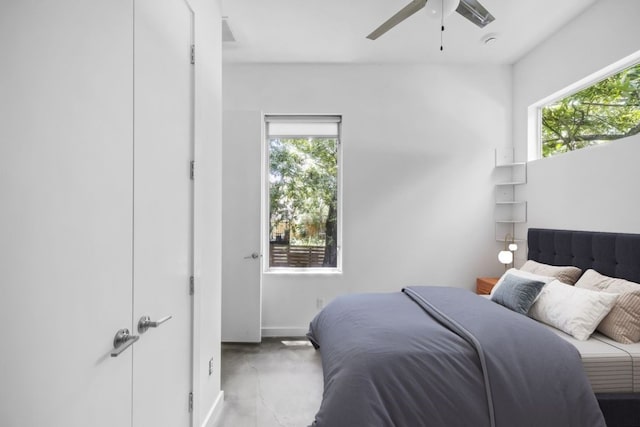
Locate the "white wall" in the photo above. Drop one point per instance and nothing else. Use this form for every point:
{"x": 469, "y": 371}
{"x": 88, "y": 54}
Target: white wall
{"x": 418, "y": 172}
{"x": 208, "y": 197}
{"x": 591, "y": 189}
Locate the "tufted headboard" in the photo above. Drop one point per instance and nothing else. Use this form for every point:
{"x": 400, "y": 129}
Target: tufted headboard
{"x": 611, "y": 254}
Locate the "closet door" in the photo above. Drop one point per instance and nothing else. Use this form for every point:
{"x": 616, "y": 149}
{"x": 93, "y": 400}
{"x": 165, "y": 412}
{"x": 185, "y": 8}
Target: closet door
{"x": 163, "y": 212}
{"x": 66, "y": 217}
{"x": 241, "y": 261}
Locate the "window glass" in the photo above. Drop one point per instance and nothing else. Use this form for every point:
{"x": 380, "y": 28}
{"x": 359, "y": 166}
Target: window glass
{"x": 303, "y": 193}
{"x": 603, "y": 112}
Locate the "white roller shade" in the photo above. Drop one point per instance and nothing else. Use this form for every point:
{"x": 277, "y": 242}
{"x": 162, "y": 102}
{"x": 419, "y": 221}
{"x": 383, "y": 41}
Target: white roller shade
{"x": 303, "y": 126}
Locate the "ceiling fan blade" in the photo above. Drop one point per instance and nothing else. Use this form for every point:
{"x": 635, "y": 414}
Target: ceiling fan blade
{"x": 404, "y": 13}
{"x": 475, "y": 12}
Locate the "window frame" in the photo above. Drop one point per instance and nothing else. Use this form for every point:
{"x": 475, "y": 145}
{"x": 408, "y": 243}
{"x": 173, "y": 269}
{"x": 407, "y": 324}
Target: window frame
{"x": 265, "y": 197}
{"x": 534, "y": 113}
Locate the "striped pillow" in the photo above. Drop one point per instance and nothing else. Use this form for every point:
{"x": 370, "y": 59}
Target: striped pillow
{"x": 623, "y": 321}
{"x": 566, "y": 274}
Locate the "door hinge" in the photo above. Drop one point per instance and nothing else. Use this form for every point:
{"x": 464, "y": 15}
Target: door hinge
{"x": 191, "y": 402}
{"x": 193, "y": 54}
{"x": 192, "y": 285}
{"x": 192, "y": 174}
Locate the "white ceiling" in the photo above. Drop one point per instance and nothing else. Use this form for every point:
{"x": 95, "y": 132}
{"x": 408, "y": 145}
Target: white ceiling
{"x": 334, "y": 31}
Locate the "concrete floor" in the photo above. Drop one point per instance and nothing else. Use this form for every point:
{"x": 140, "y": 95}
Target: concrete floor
{"x": 270, "y": 384}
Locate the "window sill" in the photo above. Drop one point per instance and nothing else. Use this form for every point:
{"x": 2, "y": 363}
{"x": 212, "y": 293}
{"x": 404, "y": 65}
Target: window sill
{"x": 304, "y": 271}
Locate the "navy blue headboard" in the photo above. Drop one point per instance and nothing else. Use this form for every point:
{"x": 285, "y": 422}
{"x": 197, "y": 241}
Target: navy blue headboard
{"x": 611, "y": 254}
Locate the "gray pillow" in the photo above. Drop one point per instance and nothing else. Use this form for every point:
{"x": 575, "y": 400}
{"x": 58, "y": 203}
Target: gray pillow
{"x": 517, "y": 293}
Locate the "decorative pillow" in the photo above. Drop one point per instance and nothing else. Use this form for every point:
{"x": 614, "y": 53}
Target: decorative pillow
{"x": 517, "y": 293}
{"x": 576, "y": 311}
{"x": 519, "y": 273}
{"x": 568, "y": 275}
{"x": 623, "y": 321}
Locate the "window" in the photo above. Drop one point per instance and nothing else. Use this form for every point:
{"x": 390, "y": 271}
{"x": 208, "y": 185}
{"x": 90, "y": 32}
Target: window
{"x": 602, "y": 112}
{"x": 303, "y": 192}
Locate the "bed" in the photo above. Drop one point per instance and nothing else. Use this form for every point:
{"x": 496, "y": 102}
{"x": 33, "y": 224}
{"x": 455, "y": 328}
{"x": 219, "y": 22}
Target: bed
{"x": 612, "y": 368}
{"x": 441, "y": 356}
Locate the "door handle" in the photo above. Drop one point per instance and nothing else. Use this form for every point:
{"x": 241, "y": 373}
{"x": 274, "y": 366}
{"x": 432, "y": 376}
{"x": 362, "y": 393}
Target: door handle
{"x": 254, "y": 255}
{"x": 122, "y": 341}
{"x": 145, "y": 323}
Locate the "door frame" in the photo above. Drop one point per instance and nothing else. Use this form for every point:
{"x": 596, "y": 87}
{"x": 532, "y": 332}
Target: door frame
{"x": 196, "y": 300}
{"x": 195, "y": 314}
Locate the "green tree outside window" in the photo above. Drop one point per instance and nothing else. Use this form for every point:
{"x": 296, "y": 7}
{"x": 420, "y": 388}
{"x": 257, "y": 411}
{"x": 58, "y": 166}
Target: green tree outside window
{"x": 303, "y": 193}
{"x": 603, "y": 112}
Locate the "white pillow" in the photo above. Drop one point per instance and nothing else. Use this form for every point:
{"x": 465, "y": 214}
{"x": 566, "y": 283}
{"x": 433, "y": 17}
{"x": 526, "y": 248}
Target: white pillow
{"x": 575, "y": 311}
{"x": 523, "y": 274}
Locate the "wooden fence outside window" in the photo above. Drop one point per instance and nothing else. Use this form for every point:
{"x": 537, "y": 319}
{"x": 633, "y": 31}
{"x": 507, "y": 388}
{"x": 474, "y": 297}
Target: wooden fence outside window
{"x": 284, "y": 255}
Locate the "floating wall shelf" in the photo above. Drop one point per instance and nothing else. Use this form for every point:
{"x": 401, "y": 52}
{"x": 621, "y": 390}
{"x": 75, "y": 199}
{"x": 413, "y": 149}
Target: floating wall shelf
{"x": 509, "y": 210}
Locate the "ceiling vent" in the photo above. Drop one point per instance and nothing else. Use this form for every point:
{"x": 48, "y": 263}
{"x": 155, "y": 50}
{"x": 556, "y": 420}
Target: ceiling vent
{"x": 227, "y": 34}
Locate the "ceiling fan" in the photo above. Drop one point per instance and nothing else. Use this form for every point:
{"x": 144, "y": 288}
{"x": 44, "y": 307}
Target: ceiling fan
{"x": 470, "y": 9}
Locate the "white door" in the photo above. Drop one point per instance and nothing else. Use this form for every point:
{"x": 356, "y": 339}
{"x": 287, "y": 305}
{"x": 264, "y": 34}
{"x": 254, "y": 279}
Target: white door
{"x": 241, "y": 260}
{"x": 66, "y": 212}
{"x": 163, "y": 212}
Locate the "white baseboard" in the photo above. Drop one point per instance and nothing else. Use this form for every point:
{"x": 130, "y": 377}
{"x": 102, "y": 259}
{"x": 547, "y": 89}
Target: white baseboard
{"x": 215, "y": 411}
{"x": 284, "y": 332}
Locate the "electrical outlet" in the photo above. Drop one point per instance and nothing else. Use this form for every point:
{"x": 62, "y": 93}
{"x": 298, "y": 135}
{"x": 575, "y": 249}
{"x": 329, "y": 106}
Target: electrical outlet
{"x": 319, "y": 303}
{"x": 211, "y": 366}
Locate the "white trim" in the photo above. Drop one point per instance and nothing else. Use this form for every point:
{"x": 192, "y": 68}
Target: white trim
{"x": 534, "y": 148}
{"x": 214, "y": 412}
{"x": 194, "y": 309}
{"x": 304, "y": 118}
{"x": 340, "y": 196}
{"x": 284, "y": 331}
{"x": 534, "y": 144}
{"x": 318, "y": 271}
{"x": 264, "y": 207}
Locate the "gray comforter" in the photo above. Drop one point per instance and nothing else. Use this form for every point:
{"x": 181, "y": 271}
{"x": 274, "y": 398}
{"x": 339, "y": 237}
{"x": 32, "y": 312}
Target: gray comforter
{"x": 435, "y": 356}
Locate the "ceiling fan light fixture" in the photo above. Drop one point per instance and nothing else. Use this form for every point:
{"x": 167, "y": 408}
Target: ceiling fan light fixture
{"x": 470, "y": 9}
{"x": 441, "y": 8}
